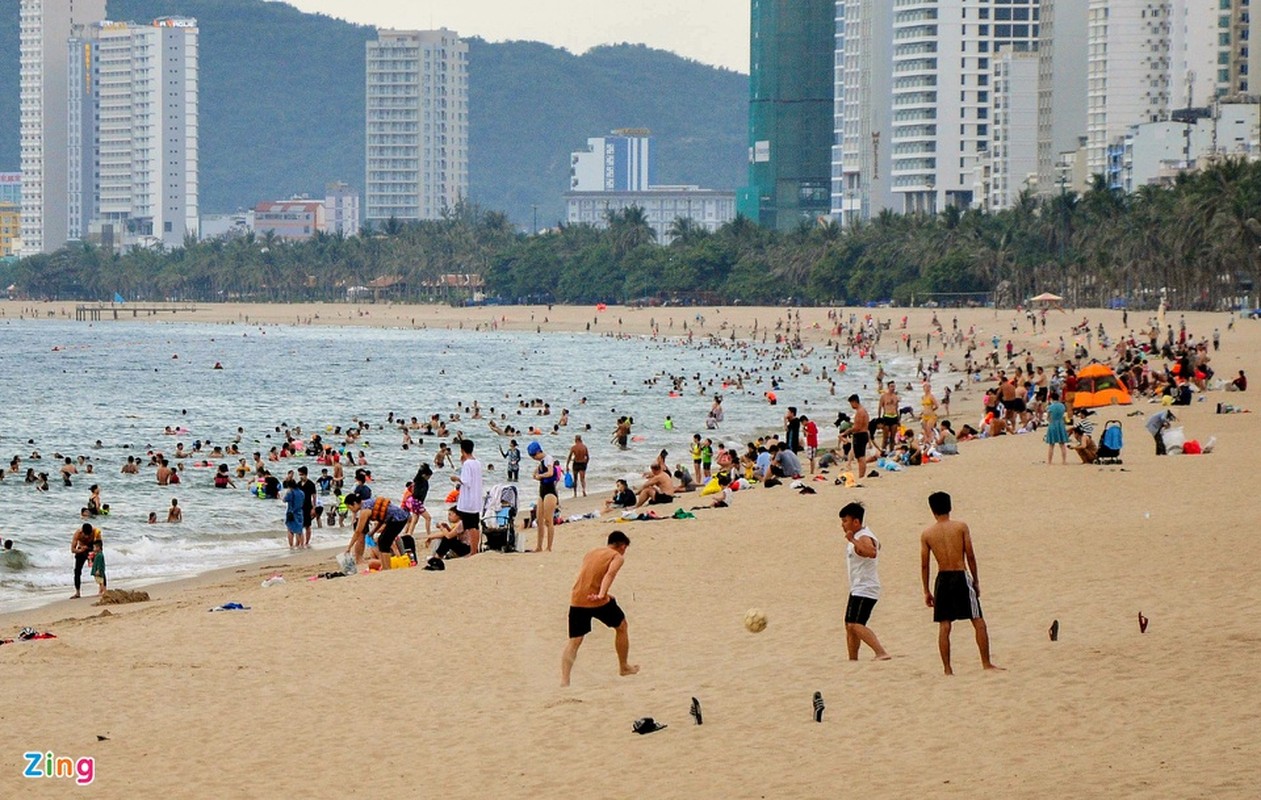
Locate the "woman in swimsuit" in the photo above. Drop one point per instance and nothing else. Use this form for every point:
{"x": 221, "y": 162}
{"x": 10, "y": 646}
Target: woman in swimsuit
{"x": 928, "y": 412}
{"x": 545, "y": 474}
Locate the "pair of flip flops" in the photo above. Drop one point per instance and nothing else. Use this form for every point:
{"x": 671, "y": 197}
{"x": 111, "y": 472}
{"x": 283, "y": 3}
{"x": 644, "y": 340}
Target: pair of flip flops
{"x": 646, "y": 725}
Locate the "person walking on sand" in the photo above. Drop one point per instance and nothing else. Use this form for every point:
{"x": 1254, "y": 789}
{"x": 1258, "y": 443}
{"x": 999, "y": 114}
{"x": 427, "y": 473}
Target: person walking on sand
{"x": 576, "y": 463}
{"x": 957, "y": 593}
{"x": 861, "y": 553}
{"x": 81, "y": 547}
{"x": 590, "y": 599}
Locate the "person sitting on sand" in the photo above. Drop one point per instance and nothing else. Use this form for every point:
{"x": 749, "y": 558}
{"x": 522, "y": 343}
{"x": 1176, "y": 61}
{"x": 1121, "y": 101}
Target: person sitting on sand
{"x": 723, "y": 498}
{"x": 1082, "y": 442}
{"x": 622, "y": 497}
{"x": 451, "y": 537}
{"x": 683, "y": 481}
{"x": 947, "y": 442}
{"x": 657, "y": 489}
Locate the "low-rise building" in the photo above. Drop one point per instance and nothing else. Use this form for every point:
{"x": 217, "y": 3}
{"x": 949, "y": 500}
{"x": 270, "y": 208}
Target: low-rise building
{"x": 10, "y": 229}
{"x": 662, "y": 205}
{"x": 291, "y": 220}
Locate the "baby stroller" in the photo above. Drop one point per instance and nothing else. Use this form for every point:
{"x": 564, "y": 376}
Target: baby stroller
{"x": 1110, "y": 443}
{"x": 499, "y": 514}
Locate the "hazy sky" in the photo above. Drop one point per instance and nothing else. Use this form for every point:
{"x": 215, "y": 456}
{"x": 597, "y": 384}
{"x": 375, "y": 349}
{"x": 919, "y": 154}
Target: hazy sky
{"x": 712, "y": 31}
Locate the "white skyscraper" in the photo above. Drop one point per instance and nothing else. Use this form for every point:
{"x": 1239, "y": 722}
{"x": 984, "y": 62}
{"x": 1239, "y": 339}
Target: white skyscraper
{"x": 863, "y": 113}
{"x": 417, "y": 124}
{"x": 1013, "y": 146}
{"x": 1128, "y": 71}
{"x": 45, "y": 26}
{"x": 134, "y": 109}
{"x": 941, "y": 95}
{"x": 1062, "y": 63}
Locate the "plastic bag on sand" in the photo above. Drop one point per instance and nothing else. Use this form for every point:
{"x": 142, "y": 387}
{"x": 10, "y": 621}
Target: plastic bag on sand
{"x": 347, "y": 563}
{"x": 1174, "y": 439}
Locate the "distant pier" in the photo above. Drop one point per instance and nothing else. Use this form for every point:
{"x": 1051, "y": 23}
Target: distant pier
{"x": 95, "y": 312}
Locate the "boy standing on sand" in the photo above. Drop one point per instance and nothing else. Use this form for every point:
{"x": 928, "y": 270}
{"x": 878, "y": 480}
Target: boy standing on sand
{"x": 861, "y": 551}
{"x": 590, "y": 599}
{"x": 957, "y": 593}
{"x": 98, "y": 567}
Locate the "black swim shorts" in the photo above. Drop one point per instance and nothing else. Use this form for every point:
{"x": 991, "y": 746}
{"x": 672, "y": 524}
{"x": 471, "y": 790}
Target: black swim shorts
{"x": 389, "y": 532}
{"x": 861, "y": 438}
{"x": 580, "y": 466}
{"x": 954, "y": 597}
{"x": 580, "y": 618}
{"x": 858, "y": 609}
{"x": 661, "y": 498}
{"x": 471, "y": 520}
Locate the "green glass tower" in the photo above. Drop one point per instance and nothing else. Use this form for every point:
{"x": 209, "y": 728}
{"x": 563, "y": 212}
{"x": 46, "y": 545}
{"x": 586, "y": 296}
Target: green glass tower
{"x": 792, "y": 44}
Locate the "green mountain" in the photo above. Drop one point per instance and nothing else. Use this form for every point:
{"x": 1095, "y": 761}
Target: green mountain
{"x": 282, "y": 102}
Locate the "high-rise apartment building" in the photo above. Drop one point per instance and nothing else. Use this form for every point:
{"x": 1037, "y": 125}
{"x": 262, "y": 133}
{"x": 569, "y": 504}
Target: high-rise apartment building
{"x": 620, "y": 162}
{"x": 1013, "y": 147}
{"x": 133, "y": 119}
{"x": 862, "y": 111}
{"x": 44, "y": 28}
{"x": 792, "y": 49}
{"x": 417, "y": 124}
{"x": 942, "y": 51}
{"x": 1128, "y": 71}
{"x": 1062, "y": 60}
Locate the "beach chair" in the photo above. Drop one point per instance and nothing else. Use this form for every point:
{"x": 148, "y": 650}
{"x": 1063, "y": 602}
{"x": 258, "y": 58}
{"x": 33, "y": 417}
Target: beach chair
{"x": 499, "y": 515}
{"x": 1110, "y": 443}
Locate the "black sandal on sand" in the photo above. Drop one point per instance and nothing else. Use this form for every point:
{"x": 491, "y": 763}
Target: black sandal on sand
{"x": 646, "y": 725}
{"x": 1055, "y": 630}
{"x": 818, "y": 706}
{"x": 696, "y": 711}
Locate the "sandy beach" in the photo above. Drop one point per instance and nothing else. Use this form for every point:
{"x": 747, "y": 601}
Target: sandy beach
{"x": 424, "y": 684}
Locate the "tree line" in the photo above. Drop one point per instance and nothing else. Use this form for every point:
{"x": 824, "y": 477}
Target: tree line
{"x": 1194, "y": 242}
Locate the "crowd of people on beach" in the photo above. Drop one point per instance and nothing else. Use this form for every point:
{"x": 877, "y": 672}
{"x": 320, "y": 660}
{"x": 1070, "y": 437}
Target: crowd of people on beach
{"x": 1019, "y": 395}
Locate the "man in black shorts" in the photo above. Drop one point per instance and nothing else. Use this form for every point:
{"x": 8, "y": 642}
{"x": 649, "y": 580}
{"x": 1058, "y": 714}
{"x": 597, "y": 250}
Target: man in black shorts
{"x": 860, "y": 434}
{"x": 590, "y": 599}
{"x": 958, "y": 592}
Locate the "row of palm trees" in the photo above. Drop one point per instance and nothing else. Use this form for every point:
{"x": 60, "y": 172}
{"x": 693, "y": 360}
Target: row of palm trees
{"x": 1194, "y": 243}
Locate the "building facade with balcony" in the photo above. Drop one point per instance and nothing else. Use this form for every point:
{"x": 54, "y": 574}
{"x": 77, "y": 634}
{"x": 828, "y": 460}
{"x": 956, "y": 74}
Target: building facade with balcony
{"x": 417, "y": 124}
{"x": 44, "y": 28}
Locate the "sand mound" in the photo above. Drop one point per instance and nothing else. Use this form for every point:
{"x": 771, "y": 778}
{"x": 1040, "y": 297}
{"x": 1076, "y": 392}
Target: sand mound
{"x": 117, "y": 597}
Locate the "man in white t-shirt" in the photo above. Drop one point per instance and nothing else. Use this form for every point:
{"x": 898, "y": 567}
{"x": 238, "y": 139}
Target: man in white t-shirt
{"x": 469, "y": 503}
{"x": 861, "y": 552}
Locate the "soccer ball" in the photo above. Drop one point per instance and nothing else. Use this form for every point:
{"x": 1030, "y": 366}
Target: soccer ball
{"x": 755, "y": 620}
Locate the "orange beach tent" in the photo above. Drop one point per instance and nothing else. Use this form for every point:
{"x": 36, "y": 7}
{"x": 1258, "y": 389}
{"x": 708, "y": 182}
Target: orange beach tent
{"x": 1098, "y": 385}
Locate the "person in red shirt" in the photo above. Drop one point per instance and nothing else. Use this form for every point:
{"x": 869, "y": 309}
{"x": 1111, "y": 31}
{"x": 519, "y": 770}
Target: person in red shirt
{"x": 812, "y": 439}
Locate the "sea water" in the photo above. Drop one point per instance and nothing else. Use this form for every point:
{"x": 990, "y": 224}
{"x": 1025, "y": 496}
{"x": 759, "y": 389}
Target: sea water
{"x": 69, "y": 384}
